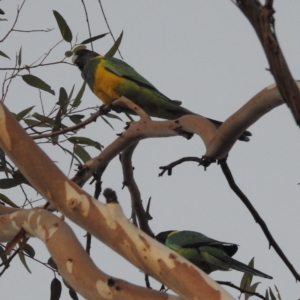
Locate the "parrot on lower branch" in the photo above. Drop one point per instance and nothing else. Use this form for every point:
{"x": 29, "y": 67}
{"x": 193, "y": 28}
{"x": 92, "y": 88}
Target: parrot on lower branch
{"x": 110, "y": 78}
{"x": 207, "y": 254}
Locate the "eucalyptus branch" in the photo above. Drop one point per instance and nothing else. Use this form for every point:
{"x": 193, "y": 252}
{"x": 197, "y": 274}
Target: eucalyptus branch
{"x": 136, "y": 201}
{"x": 169, "y": 167}
{"x": 262, "y": 19}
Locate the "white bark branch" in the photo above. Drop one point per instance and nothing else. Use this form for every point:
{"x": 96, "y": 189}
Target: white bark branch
{"x": 104, "y": 221}
{"x": 73, "y": 263}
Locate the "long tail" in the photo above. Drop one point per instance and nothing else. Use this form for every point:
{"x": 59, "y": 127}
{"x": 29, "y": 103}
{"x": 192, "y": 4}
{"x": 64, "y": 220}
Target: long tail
{"x": 236, "y": 265}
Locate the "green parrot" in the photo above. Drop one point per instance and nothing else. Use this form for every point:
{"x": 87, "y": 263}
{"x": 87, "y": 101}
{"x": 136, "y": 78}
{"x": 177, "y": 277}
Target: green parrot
{"x": 207, "y": 254}
{"x": 110, "y": 78}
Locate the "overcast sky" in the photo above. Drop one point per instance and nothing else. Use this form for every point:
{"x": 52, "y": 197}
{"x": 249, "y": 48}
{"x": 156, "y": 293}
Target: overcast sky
{"x": 206, "y": 54}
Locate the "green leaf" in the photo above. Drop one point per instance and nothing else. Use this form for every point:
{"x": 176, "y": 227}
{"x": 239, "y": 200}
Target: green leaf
{"x": 278, "y": 294}
{"x": 81, "y": 153}
{"x": 8, "y": 183}
{"x": 77, "y": 99}
{"x": 33, "y": 123}
{"x": 63, "y": 27}
{"x": 112, "y": 116}
{"x": 3, "y": 54}
{"x": 267, "y": 295}
{"x": 52, "y": 263}
{"x": 107, "y": 122}
{"x": 71, "y": 93}
{"x": 3, "y": 256}
{"x": 63, "y": 100}
{"x": 29, "y": 250}
{"x": 94, "y": 38}
{"x": 23, "y": 260}
{"x": 85, "y": 141}
{"x": 19, "y": 176}
{"x": 24, "y": 113}
{"x": 115, "y": 47}
{"x": 8, "y": 201}
{"x": 37, "y": 83}
{"x": 252, "y": 289}
{"x": 271, "y": 294}
{"x": 76, "y": 119}
{"x": 55, "y": 289}
{"x": 43, "y": 119}
{"x": 73, "y": 294}
{"x": 20, "y": 57}
{"x": 247, "y": 278}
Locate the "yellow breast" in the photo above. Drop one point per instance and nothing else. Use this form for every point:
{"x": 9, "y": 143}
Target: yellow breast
{"x": 105, "y": 84}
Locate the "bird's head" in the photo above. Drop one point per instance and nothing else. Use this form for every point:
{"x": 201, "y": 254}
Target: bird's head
{"x": 82, "y": 56}
{"x": 162, "y": 236}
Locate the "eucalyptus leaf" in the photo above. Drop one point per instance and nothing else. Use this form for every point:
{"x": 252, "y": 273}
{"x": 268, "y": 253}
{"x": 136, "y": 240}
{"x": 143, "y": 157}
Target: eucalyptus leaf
{"x": 63, "y": 27}
{"x": 94, "y": 38}
{"x": 76, "y": 119}
{"x": 24, "y": 113}
{"x": 20, "y": 57}
{"x": 55, "y": 289}
{"x": 81, "y": 153}
{"x": 78, "y": 97}
{"x": 85, "y": 141}
{"x": 29, "y": 250}
{"x": 23, "y": 260}
{"x": 115, "y": 47}
{"x": 3, "y": 54}
{"x": 37, "y": 83}
{"x": 6, "y": 200}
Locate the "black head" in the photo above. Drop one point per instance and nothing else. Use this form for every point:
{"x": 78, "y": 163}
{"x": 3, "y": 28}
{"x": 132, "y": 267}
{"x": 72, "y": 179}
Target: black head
{"x": 81, "y": 57}
{"x": 162, "y": 236}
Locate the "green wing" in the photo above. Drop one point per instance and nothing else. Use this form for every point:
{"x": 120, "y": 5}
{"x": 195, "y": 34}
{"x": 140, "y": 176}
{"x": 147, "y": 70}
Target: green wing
{"x": 124, "y": 70}
{"x": 190, "y": 239}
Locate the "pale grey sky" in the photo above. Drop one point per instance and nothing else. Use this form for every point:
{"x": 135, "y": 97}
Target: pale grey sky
{"x": 206, "y": 54}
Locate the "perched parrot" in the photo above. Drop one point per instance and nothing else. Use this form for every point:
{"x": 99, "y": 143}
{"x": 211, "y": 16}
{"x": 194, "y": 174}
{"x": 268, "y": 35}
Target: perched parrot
{"x": 207, "y": 254}
{"x": 110, "y": 78}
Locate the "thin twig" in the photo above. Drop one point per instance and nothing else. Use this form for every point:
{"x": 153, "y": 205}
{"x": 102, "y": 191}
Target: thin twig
{"x": 88, "y": 23}
{"x": 129, "y": 182}
{"x": 170, "y": 167}
{"x": 262, "y": 20}
{"x": 240, "y": 289}
{"x": 34, "y": 30}
{"x": 108, "y": 26}
{"x": 257, "y": 218}
{"x": 36, "y": 66}
{"x": 17, "y": 16}
{"x": 89, "y": 120}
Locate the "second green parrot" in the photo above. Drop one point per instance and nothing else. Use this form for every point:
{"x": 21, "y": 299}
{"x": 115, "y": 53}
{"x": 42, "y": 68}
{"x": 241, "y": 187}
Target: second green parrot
{"x": 207, "y": 254}
{"x": 110, "y": 78}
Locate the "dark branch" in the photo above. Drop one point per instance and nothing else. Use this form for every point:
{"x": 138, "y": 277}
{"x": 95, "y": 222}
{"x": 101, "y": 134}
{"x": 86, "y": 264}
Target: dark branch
{"x": 257, "y": 218}
{"x": 170, "y": 167}
{"x": 262, "y": 20}
{"x": 240, "y": 289}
